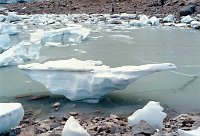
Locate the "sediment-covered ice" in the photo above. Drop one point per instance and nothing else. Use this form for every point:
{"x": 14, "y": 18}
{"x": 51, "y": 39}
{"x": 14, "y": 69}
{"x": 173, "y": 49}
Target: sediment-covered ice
{"x": 195, "y": 132}
{"x": 10, "y": 115}
{"x": 152, "y": 113}
{"x": 80, "y": 80}
{"x": 73, "y": 128}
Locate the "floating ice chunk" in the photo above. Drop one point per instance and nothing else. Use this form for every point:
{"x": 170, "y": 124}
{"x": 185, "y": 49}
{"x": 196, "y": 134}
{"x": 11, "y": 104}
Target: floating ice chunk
{"x": 127, "y": 16}
{"x": 2, "y": 18}
{"x": 7, "y": 1}
{"x": 144, "y": 20}
{"x": 80, "y": 51}
{"x": 195, "y": 24}
{"x": 9, "y": 29}
{"x": 154, "y": 21}
{"x": 12, "y": 17}
{"x": 114, "y": 21}
{"x": 79, "y": 80}
{"x": 53, "y": 44}
{"x": 37, "y": 36}
{"x": 169, "y": 18}
{"x": 189, "y": 133}
{"x": 135, "y": 23}
{"x": 71, "y": 34}
{"x": 151, "y": 113}
{"x": 181, "y": 25}
{"x": 14, "y": 55}
{"x": 73, "y": 128}
{"x": 36, "y": 44}
{"x": 187, "y": 19}
{"x": 4, "y": 42}
{"x": 10, "y": 115}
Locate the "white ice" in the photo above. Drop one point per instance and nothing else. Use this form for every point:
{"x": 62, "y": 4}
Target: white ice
{"x": 9, "y": 29}
{"x": 195, "y": 132}
{"x": 4, "y": 42}
{"x": 73, "y": 128}
{"x": 195, "y": 24}
{"x": 154, "y": 21}
{"x": 10, "y": 115}
{"x": 169, "y": 18}
{"x": 152, "y": 113}
{"x": 79, "y": 80}
{"x": 187, "y": 19}
{"x": 15, "y": 55}
{"x": 70, "y": 34}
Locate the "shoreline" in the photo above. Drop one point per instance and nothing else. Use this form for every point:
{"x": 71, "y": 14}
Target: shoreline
{"x": 101, "y": 7}
{"x": 101, "y": 124}
{"x": 97, "y": 122}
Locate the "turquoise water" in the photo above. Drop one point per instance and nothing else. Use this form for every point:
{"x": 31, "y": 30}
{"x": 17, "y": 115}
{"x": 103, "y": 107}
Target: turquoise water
{"x": 126, "y": 47}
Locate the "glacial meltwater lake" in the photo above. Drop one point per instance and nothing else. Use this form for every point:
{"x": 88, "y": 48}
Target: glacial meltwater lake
{"x": 124, "y": 47}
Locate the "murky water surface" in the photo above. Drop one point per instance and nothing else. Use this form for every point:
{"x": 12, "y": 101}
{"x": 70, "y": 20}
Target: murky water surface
{"x": 117, "y": 48}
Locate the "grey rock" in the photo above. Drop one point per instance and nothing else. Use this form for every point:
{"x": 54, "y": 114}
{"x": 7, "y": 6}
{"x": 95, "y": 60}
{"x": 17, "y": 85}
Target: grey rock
{"x": 54, "y": 125}
{"x": 187, "y": 10}
{"x": 73, "y": 113}
{"x": 143, "y": 127}
{"x": 40, "y": 130}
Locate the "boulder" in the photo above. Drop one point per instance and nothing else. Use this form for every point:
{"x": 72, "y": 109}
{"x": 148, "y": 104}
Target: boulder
{"x": 187, "y": 10}
{"x": 143, "y": 127}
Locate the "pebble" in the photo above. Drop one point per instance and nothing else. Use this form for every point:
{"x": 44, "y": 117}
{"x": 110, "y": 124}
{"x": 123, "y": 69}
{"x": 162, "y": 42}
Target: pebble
{"x": 73, "y": 113}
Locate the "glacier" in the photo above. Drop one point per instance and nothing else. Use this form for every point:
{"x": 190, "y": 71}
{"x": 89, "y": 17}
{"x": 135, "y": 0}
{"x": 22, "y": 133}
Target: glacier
{"x": 10, "y": 115}
{"x": 87, "y": 80}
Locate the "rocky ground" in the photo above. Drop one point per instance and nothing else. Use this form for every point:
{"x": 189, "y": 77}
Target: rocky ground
{"x": 148, "y": 7}
{"x": 112, "y": 125}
